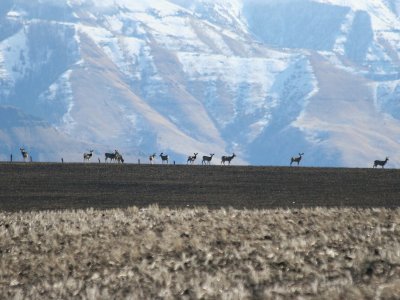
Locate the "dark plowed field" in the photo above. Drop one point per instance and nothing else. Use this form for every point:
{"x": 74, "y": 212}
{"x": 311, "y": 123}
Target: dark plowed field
{"x": 39, "y": 186}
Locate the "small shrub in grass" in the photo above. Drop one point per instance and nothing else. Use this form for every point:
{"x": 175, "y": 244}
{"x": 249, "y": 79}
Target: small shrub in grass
{"x": 199, "y": 253}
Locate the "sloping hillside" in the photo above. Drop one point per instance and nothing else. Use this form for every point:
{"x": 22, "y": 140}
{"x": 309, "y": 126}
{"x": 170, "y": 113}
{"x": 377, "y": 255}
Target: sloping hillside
{"x": 265, "y": 80}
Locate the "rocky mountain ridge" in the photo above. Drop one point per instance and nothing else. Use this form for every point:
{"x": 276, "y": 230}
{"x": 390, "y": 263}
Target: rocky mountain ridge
{"x": 263, "y": 79}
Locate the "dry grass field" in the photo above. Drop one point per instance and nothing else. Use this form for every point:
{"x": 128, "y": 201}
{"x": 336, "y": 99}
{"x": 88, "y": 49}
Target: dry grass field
{"x": 96, "y": 231}
{"x": 198, "y": 253}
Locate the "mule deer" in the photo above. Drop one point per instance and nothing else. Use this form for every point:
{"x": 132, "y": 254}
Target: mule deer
{"x": 87, "y": 156}
{"x": 164, "y": 158}
{"x": 152, "y": 158}
{"x": 207, "y": 159}
{"x": 296, "y": 159}
{"x": 381, "y": 163}
{"x": 110, "y": 156}
{"x": 118, "y": 157}
{"x": 191, "y": 159}
{"x": 24, "y": 153}
{"x": 227, "y": 158}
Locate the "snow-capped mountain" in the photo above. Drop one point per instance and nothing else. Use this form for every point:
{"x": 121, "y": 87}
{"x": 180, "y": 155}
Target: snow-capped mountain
{"x": 264, "y": 79}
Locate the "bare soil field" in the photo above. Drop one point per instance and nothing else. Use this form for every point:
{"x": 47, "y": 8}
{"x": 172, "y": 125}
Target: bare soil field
{"x": 43, "y": 186}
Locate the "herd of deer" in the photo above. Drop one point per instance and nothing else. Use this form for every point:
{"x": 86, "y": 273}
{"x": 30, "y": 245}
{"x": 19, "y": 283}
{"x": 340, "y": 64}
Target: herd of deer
{"x": 117, "y": 157}
{"x": 191, "y": 158}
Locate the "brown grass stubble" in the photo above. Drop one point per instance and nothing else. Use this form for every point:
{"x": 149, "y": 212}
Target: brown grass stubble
{"x": 198, "y": 253}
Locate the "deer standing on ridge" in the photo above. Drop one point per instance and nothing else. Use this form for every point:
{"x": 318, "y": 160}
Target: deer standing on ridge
{"x": 164, "y": 158}
{"x": 24, "y": 154}
{"x": 110, "y": 156}
{"x": 381, "y": 163}
{"x": 207, "y": 159}
{"x": 87, "y": 156}
{"x": 152, "y": 158}
{"x": 227, "y": 158}
{"x": 191, "y": 159}
{"x": 296, "y": 159}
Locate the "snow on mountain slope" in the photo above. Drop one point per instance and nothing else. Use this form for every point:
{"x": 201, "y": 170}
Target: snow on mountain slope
{"x": 383, "y": 13}
{"x": 382, "y": 17}
{"x": 13, "y": 64}
{"x": 18, "y": 129}
{"x": 362, "y": 34}
{"x": 263, "y": 79}
{"x": 347, "y": 121}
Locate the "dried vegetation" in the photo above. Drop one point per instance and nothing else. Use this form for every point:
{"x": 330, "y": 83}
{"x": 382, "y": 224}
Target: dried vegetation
{"x": 201, "y": 254}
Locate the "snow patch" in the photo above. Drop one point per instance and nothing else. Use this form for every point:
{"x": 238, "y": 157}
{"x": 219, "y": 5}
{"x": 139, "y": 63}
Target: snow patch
{"x": 339, "y": 46}
{"x": 14, "y": 57}
{"x": 232, "y": 69}
{"x": 60, "y": 95}
{"x": 381, "y": 16}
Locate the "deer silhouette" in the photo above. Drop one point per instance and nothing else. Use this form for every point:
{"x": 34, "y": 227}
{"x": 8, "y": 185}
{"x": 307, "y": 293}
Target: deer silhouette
{"x": 381, "y": 163}
{"x": 296, "y": 159}
{"x": 227, "y": 159}
{"x": 118, "y": 157}
{"x": 152, "y": 158}
{"x": 191, "y": 159}
{"x": 110, "y": 156}
{"x": 24, "y": 153}
{"x": 87, "y": 156}
{"x": 207, "y": 159}
{"x": 164, "y": 158}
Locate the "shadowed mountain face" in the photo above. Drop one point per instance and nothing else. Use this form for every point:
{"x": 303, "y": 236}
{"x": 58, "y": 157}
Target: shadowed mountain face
{"x": 263, "y": 79}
